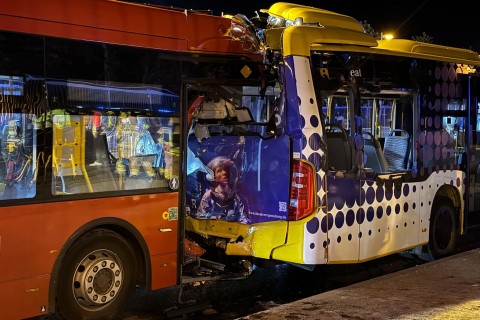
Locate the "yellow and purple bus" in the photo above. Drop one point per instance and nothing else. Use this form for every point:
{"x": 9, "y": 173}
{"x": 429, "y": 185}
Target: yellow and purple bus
{"x": 361, "y": 149}
{"x": 145, "y": 146}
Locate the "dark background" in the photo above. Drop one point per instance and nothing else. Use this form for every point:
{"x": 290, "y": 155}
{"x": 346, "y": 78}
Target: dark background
{"x": 450, "y": 23}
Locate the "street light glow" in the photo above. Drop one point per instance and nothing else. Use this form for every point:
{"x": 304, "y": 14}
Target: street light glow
{"x": 386, "y": 36}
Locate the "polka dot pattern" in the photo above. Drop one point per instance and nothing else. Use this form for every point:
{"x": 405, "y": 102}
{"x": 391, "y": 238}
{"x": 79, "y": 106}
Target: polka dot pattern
{"x": 366, "y": 219}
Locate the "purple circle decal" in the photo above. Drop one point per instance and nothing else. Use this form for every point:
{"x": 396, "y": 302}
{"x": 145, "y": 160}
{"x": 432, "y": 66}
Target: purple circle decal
{"x": 437, "y": 138}
{"x": 451, "y": 74}
{"x": 430, "y": 137}
{"x": 438, "y": 122}
{"x": 315, "y": 158}
{"x": 370, "y": 214}
{"x": 360, "y": 215}
{"x": 339, "y": 219}
{"x": 379, "y": 212}
{"x": 444, "y": 89}
{"x": 438, "y": 152}
{"x": 314, "y": 141}
{"x": 397, "y": 191}
{"x": 370, "y": 195}
{"x": 421, "y": 138}
{"x": 379, "y": 194}
{"x": 302, "y": 122}
{"x": 350, "y": 218}
{"x": 313, "y": 225}
{"x": 452, "y": 90}
{"x": 444, "y": 73}
{"x": 438, "y": 72}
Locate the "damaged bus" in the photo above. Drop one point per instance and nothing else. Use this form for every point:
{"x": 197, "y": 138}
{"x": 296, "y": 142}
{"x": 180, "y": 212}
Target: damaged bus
{"x": 148, "y": 147}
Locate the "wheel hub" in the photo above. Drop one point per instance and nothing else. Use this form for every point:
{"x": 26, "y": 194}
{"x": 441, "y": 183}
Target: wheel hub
{"x": 98, "y": 279}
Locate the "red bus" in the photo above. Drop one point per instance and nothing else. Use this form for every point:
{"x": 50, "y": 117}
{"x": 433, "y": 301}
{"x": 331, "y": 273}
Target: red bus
{"x": 91, "y": 139}
{"x": 144, "y": 146}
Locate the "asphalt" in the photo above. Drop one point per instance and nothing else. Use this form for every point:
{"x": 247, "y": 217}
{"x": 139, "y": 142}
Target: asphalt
{"x": 445, "y": 289}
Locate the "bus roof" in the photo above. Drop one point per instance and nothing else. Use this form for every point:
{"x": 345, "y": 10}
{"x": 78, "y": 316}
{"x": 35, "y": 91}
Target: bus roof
{"x": 292, "y": 13}
{"x": 326, "y": 30}
{"x": 125, "y": 23}
{"x": 416, "y": 49}
{"x": 298, "y": 40}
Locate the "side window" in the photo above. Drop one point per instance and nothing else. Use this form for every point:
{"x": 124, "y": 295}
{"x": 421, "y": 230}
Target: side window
{"x": 17, "y": 156}
{"x": 21, "y": 99}
{"x": 339, "y": 113}
{"x": 384, "y": 117}
{"x": 105, "y": 152}
{"x": 115, "y": 114}
{"x": 366, "y": 109}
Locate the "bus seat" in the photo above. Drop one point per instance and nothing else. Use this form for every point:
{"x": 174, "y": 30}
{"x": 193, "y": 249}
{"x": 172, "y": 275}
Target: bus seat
{"x": 339, "y": 148}
{"x": 397, "y": 149}
{"x": 373, "y": 150}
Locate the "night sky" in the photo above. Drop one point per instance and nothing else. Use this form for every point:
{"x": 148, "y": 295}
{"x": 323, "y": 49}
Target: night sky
{"x": 455, "y": 23}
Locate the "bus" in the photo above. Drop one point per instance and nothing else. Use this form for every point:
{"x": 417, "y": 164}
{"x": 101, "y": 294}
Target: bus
{"x": 361, "y": 149}
{"x": 148, "y": 147}
{"x": 91, "y": 161}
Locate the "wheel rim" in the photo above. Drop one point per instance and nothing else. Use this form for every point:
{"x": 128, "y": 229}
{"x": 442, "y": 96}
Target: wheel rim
{"x": 97, "y": 279}
{"x": 443, "y": 229}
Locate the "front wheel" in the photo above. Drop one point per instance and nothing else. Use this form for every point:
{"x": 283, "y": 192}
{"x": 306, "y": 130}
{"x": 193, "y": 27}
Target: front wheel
{"x": 443, "y": 229}
{"x": 96, "y": 278}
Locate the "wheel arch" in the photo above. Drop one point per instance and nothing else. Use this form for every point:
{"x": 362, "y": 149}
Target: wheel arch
{"x": 123, "y": 228}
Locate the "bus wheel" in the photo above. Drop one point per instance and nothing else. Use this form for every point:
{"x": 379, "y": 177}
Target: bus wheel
{"x": 96, "y": 278}
{"x": 443, "y": 229}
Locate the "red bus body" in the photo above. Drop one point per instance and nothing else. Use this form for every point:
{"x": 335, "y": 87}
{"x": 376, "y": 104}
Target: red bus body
{"x": 122, "y": 23}
{"x": 26, "y": 266}
{"x": 34, "y": 237}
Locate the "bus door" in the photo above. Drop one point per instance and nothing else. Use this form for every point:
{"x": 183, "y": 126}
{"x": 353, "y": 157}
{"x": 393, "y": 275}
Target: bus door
{"x": 343, "y": 184}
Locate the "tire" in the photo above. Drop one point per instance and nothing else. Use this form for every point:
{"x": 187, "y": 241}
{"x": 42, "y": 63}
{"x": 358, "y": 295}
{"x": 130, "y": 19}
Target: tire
{"x": 96, "y": 278}
{"x": 443, "y": 229}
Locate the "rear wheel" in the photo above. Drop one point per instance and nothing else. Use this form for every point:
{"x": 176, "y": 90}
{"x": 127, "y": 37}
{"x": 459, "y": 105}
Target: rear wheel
{"x": 96, "y": 278}
{"x": 443, "y": 229}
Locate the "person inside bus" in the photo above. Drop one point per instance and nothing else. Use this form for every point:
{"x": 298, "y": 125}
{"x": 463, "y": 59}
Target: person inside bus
{"x": 98, "y": 150}
{"x": 339, "y": 119}
{"x": 222, "y": 200}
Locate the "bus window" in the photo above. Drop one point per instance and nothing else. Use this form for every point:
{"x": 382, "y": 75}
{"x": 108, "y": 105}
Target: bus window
{"x": 17, "y": 156}
{"x": 366, "y": 109}
{"x": 384, "y": 117}
{"x": 339, "y": 111}
{"x": 99, "y": 153}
